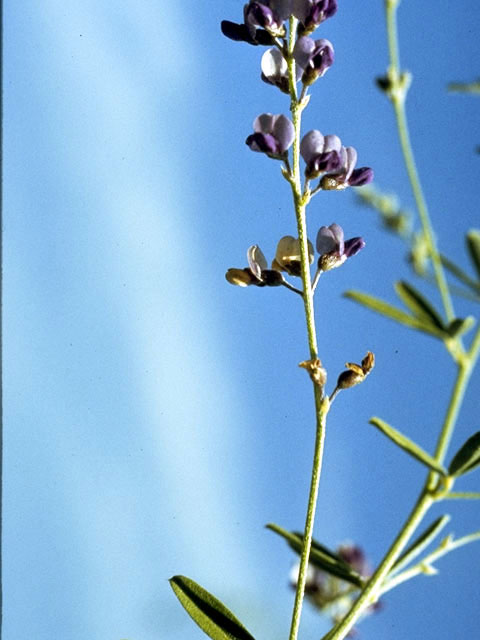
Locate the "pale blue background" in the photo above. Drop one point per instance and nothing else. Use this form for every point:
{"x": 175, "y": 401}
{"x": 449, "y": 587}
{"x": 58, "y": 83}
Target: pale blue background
{"x": 155, "y": 418}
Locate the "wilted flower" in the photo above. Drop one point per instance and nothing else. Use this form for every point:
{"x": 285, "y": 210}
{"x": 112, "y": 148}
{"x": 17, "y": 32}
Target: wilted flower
{"x": 330, "y": 594}
{"x": 313, "y": 12}
{"x": 273, "y": 135}
{"x": 313, "y": 57}
{"x": 325, "y": 154}
{"x": 333, "y": 249}
{"x": 287, "y": 256}
{"x": 256, "y": 273}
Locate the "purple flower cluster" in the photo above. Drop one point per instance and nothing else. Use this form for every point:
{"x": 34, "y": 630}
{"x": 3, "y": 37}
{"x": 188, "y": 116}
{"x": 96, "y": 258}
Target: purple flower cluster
{"x": 264, "y": 21}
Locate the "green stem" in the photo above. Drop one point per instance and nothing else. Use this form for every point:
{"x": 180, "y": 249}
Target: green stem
{"x": 462, "y": 495}
{"x": 321, "y": 404}
{"x": 372, "y": 591}
{"x": 374, "y": 587}
{"x": 465, "y": 368}
{"x": 398, "y": 95}
{"x": 428, "y": 560}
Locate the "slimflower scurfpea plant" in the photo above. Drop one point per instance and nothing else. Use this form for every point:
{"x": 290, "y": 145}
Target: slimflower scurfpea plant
{"x": 340, "y": 583}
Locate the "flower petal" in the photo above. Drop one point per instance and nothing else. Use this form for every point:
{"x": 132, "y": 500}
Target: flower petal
{"x": 326, "y": 241}
{"x": 312, "y": 144}
{"x": 274, "y": 65}
{"x": 256, "y": 261}
{"x": 284, "y": 132}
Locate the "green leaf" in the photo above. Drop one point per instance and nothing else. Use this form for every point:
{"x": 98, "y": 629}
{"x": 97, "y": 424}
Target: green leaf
{"x": 210, "y": 614}
{"x": 459, "y": 326}
{"x": 420, "y": 543}
{"x": 418, "y": 304}
{"x": 320, "y": 556}
{"x": 389, "y": 311}
{"x": 467, "y": 457}
{"x": 460, "y": 274}
{"x": 408, "y": 445}
{"x": 473, "y": 246}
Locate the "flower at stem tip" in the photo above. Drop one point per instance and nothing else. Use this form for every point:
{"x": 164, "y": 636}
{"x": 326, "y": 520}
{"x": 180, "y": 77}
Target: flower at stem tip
{"x": 273, "y": 135}
{"x": 333, "y": 249}
{"x": 263, "y": 22}
{"x": 327, "y": 155}
{"x": 311, "y": 13}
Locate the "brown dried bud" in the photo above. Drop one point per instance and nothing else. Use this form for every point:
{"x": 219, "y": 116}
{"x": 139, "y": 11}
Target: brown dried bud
{"x": 356, "y": 373}
{"x": 317, "y": 373}
{"x": 349, "y": 379}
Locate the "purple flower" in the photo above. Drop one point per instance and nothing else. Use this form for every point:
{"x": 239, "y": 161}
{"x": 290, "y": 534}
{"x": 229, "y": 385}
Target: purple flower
{"x": 274, "y": 69}
{"x": 273, "y": 135}
{"x": 240, "y": 33}
{"x": 347, "y": 176}
{"x": 321, "y": 153}
{"x": 325, "y": 154}
{"x": 257, "y": 272}
{"x": 263, "y": 21}
{"x": 333, "y": 249}
{"x": 313, "y": 12}
{"x": 268, "y": 15}
{"x": 314, "y": 57}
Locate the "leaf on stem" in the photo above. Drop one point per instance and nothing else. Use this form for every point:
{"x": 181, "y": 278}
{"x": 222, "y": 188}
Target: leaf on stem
{"x": 473, "y": 246}
{"x": 210, "y": 614}
{"x": 467, "y": 457}
{"x": 320, "y": 556}
{"x": 459, "y": 326}
{"x": 389, "y": 311}
{"x": 419, "y": 305}
{"x": 408, "y": 445}
{"x": 420, "y": 543}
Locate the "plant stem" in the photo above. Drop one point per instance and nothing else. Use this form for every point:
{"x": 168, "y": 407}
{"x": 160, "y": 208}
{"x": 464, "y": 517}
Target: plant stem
{"x": 374, "y": 587}
{"x": 428, "y": 560}
{"x": 465, "y": 369}
{"x": 398, "y": 101}
{"x": 321, "y": 404}
{"x": 371, "y": 592}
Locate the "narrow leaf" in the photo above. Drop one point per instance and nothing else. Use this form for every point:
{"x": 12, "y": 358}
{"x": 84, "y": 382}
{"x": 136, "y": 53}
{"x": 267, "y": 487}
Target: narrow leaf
{"x": 467, "y": 457}
{"x": 389, "y": 311}
{"x": 320, "y": 557}
{"x": 408, "y": 445}
{"x": 418, "y": 304}
{"x": 473, "y": 246}
{"x": 420, "y": 543}
{"x": 459, "y": 326}
{"x": 460, "y": 274}
{"x": 210, "y": 614}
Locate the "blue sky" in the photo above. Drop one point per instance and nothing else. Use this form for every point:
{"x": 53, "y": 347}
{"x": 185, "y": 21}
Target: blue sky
{"x": 154, "y": 416}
